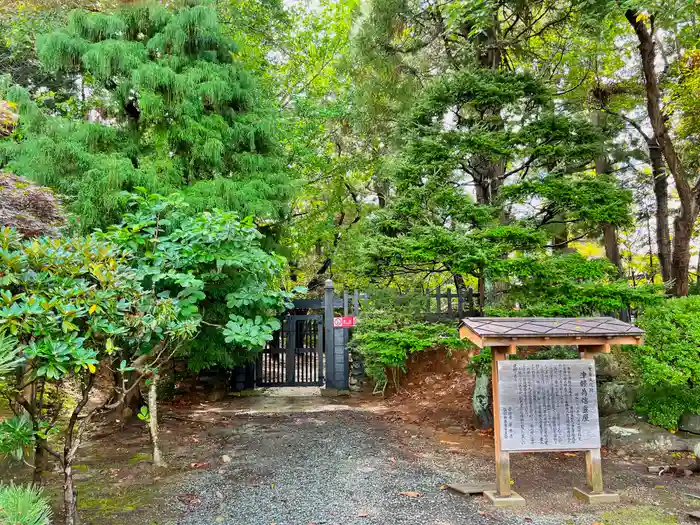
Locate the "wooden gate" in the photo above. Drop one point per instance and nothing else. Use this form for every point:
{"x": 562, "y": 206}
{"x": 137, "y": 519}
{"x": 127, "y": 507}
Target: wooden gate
{"x": 295, "y": 355}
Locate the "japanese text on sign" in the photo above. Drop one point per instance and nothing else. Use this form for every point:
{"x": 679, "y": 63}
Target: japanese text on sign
{"x": 548, "y": 405}
{"x": 344, "y": 322}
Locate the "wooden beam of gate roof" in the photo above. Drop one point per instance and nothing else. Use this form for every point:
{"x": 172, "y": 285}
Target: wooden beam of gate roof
{"x": 547, "y": 331}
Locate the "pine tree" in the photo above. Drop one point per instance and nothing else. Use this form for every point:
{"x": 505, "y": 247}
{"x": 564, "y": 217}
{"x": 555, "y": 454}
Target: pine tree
{"x": 503, "y": 234}
{"x": 159, "y": 103}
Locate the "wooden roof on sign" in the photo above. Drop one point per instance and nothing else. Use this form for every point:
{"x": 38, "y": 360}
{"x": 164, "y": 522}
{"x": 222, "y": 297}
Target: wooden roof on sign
{"x": 545, "y": 331}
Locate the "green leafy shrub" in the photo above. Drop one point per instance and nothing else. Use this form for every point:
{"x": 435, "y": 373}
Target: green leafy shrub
{"x": 664, "y": 404}
{"x": 215, "y": 266}
{"x": 669, "y": 361}
{"x": 386, "y": 337}
{"x": 71, "y": 304}
{"x": 21, "y": 505}
{"x": 9, "y": 357}
{"x": 16, "y": 436}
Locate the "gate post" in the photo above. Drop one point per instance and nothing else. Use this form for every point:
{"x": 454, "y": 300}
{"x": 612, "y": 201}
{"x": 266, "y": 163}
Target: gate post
{"x": 328, "y": 339}
{"x": 337, "y": 362}
{"x": 290, "y": 359}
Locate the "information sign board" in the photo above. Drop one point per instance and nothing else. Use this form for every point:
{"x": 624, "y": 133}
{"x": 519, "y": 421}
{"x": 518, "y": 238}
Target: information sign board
{"x": 548, "y": 405}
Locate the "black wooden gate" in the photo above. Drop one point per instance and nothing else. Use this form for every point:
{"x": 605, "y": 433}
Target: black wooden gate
{"x": 294, "y": 357}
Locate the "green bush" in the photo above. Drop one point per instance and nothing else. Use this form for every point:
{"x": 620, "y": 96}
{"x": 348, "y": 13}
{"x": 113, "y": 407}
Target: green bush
{"x": 16, "y": 436}
{"x": 386, "y": 337}
{"x": 21, "y": 505}
{"x": 664, "y": 405}
{"x": 669, "y": 361}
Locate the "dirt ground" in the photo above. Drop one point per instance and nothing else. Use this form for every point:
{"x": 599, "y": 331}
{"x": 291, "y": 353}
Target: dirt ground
{"x": 436, "y": 392}
{"x": 117, "y": 483}
{"x": 292, "y": 457}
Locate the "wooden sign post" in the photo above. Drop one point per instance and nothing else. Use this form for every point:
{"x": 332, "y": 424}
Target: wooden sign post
{"x": 548, "y": 405}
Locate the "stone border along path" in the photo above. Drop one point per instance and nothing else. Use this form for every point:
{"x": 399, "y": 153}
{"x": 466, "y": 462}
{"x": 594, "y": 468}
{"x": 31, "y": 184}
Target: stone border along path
{"x": 339, "y": 467}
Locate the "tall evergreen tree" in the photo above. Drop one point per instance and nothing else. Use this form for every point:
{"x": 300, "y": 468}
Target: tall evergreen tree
{"x": 493, "y": 176}
{"x": 160, "y": 103}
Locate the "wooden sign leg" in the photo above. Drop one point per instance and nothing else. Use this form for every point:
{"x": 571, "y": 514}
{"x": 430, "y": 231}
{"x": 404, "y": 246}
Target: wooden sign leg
{"x": 594, "y": 474}
{"x": 502, "y": 473}
{"x": 503, "y": 496}
{"x": 502, "y": 458}
{"x": 594, "y": 471}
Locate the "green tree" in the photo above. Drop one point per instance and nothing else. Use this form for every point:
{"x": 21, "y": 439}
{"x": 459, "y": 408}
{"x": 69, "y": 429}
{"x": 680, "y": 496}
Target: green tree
{"x": 647, "y": 47}
{"x": 213, "y": 264}
{"x": 302, "y": 53}
{"x": 70, "y": 304}
{"x": 161, "y": 103}
{"x": 493, "y": 175}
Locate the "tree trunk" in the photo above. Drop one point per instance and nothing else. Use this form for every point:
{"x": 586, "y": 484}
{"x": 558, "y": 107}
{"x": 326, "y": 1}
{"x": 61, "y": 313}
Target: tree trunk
{"x": 687, "y": 195}
{"x": 603, "y": 166}
{"x": 663, "y": 235}
{"x": 70, "y": 506}
{"x": 680, "y": 269}
{"x": 153, "y": 420}
{"x": 132, "y": 401}
{"x": 612, "y": 248}
{"x": 72, "y": 437}
{"x": 40, "y": 462}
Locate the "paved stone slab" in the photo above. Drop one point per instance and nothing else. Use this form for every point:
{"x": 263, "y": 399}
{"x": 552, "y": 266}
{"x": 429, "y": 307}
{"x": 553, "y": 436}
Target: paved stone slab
{"x": 469, "y": 489}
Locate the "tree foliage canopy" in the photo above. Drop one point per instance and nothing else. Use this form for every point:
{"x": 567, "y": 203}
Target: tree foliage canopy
{"x": 160, "y": 103}
{"x": 214, "y": 266}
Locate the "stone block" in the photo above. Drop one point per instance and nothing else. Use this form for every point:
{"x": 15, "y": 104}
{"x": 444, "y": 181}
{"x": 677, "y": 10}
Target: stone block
{"x": 334, "y": 392}
{"x": 514, "y": 500}
{"x": 596, "y": 497}
{"x": 615, "y": 397}
{"x": 690, "y": 423}
{"x": 629, "y": 435}
{"x": 606, "y": 366}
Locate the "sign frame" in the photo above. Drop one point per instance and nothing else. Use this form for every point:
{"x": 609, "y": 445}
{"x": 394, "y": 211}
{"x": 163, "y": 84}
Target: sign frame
{"x": 567, "y": 401}
{"x": 504, "y": 495}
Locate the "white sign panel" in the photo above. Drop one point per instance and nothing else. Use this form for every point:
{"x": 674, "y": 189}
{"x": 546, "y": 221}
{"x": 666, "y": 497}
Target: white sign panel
{"x": 548, "y": 405}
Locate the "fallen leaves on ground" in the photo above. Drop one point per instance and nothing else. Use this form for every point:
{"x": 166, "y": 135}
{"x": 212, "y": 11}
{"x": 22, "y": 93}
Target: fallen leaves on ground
{"x": 199, "y": 465}
{"x": 411, "y": 494}
{"x": 190, "y": 499}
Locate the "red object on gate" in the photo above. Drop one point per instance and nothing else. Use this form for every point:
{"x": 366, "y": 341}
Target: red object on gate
{"x": 344, "y": 322}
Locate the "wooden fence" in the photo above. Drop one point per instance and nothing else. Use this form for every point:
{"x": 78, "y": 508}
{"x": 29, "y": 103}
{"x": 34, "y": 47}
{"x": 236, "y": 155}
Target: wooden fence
{"x": 438, "y": 303}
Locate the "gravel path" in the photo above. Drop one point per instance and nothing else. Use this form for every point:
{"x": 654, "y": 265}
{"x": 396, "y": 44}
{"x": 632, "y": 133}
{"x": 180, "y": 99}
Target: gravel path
{"x": 335, "y": 468}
